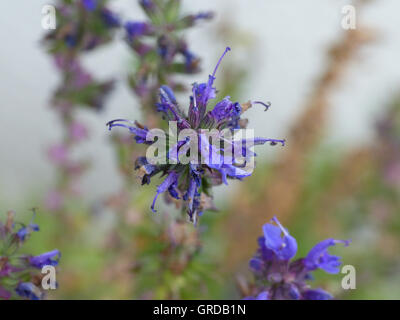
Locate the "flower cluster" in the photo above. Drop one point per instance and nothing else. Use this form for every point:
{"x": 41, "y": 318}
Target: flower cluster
{"x": 82, "y": 26}
{"x": 277, "y": 277}
{"x": 160, "y": 47}
{"x": 191, "y": 181}
{"x": 78, "y": 88}
{"x": 19, "y": 273}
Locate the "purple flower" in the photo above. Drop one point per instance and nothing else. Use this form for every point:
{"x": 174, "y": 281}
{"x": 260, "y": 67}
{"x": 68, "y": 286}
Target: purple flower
{"x": 50, "y": 258}
{"x": 71, "y": 40}
{"x": 192, "y": 179}
{"x": 89, "y": 5}
{"x": 54, "y": 200}
{"x": 7, "y": 269}
{"x": 147, "y": 4}
{"x": 58, "y": 154}
{"x": 28, "y": 290}
{"x": 277, "y": 277}
{"x": 4, "y": 294}
{"x": 279, "y": 240}
{"x": 191, "y": 19}
{"x": 319, "y": 257}
{"x": 110, "y": 18}
{"x": 23, "y": 232}
{"x": 317, "y": 294}
{"x": 137, "y": 29}
{"x": 78, "y": 131}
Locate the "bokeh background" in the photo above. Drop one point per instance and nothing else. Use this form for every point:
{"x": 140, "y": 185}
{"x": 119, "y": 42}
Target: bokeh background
{"x": 335, "y": 98}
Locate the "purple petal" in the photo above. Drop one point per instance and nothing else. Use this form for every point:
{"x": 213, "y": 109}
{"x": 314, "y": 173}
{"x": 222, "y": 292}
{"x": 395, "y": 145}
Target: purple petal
{"x": 319, "y": 257}
{"x": 317, "y": 294}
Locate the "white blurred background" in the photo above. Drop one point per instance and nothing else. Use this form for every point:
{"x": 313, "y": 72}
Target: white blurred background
{"x": 290, "y": 40}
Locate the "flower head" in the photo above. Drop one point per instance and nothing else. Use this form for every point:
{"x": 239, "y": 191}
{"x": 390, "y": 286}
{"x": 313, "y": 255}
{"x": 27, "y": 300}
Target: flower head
{"x": 278, "y": 239}
{"x": 50, "y": 258}
{"x": 89, "y": 5}
{"x": 192, "y": 163}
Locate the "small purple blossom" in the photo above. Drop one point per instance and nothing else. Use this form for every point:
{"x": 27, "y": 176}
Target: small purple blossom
{"x": 58, "y": 154}
{"x": 278, "y": 239}
{"x": 148, "y": 4}
{"x": 54, "y": 200}
{"x": 4, "y": 294}
{"x": 78, "y": 131}
{"x": 50, "y": 258}
{"x": 317, "y": 294}
{"x": 110, "y": 18}
{"x": 278, "y": 277}
{"x": 137, "y": 29}
{"x": 319, "y": 257}
{"x": 89, "y": 5}
{"x": 29, "y": 291}
{"x": 23, "y": 232}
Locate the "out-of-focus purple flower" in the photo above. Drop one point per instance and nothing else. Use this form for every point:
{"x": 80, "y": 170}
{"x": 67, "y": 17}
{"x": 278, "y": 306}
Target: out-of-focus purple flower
{"x": 50, "y": 258}
{"x": 89, "y": 5}
{"x": 110, "y": 18}
{"x": 23, "y": 232}
{"x": 4, "y": 294}
{"x": 148, "y": 4}
{"x": 136, "y": 29}
{"x": 191, "y": 61}
{"x": 71, "y": 40}
{"x": 54, "y": 200}
{"x": 277, "y": 277}
{"x": 78, "y": 131}
{"x": 6, "y": 269}
{"x": 29, "y": 291}
{"x": 58, "y": 154}
{"x": 317, "y": 294}
{"x": 392, "y": 173}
